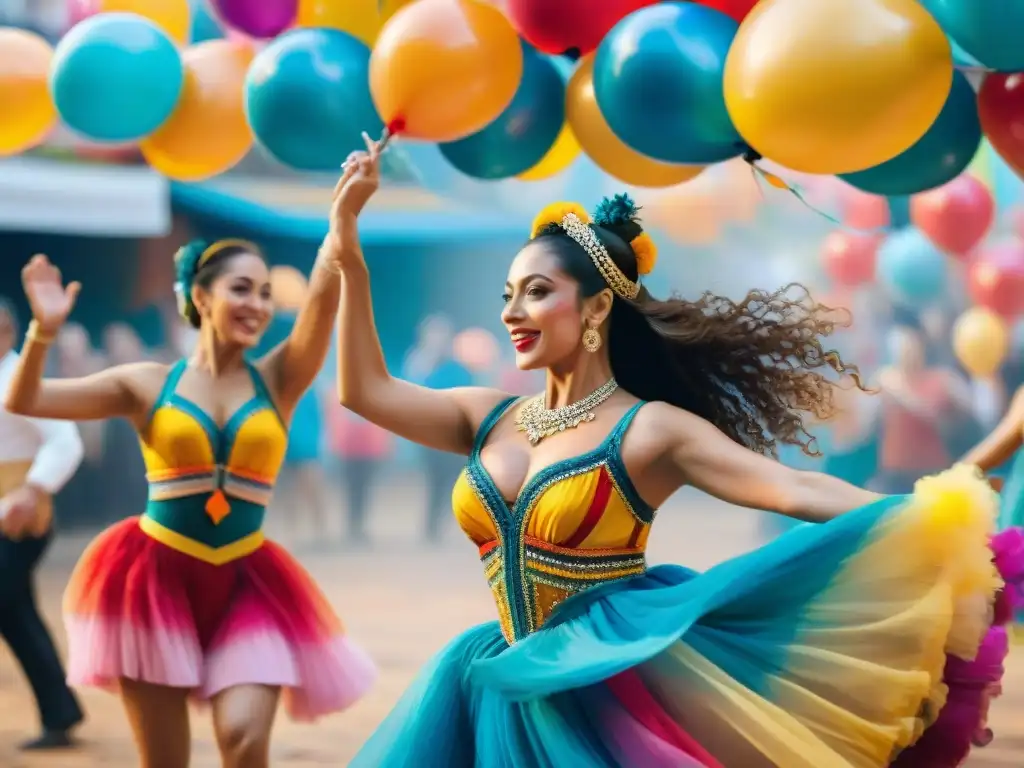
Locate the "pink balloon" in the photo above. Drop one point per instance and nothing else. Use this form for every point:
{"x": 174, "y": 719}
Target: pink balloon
{"x": 865, "y": 211}
{"x": 80, "y": 10}
{"x": 849, "y": 258}
{"x": 995, "y": 279}
{"x": 955, "y": 216}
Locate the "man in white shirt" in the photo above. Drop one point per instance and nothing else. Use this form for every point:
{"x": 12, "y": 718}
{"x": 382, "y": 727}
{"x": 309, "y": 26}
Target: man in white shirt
{"x": 37, "y": 456}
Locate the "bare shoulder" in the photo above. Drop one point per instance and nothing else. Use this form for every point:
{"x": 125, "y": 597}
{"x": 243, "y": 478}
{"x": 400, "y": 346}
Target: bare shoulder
{"x": 143, "y": 380}
{"x": 662, "y": 427}
{"x": 478, "y": 402}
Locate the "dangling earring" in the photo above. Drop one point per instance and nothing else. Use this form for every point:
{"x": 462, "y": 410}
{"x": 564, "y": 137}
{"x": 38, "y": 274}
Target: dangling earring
{"x": 591, "y": 340}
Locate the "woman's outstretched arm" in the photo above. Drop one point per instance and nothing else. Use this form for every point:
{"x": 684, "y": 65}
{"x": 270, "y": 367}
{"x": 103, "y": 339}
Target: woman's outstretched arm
{"x": 443, "y": 419}
{"x": 107, "y": 394}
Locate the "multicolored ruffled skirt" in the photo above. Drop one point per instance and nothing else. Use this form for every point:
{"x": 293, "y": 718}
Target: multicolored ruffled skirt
{"x": 137, "y": 609}
{"x": 835, "y": 645}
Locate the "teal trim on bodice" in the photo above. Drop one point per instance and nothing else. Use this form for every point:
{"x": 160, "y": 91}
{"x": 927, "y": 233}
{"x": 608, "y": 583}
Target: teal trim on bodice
{"x": 511, "y": 521}
{"x": 188, "y": 517}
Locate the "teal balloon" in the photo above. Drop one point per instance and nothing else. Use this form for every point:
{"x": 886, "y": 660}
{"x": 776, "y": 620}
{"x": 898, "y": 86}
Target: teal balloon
{"x": 658, "y": 79}
{"x": 204, "y": 25}
{"x": 307, "y": 96}
{"x": 116, "y": 77}
{"x": 521, "y": 135}
{"x": 961, "y": 58}
{"x": 912, "y": 269}
{"x": 987, "y": 30}
{"x": 938, "y": 157}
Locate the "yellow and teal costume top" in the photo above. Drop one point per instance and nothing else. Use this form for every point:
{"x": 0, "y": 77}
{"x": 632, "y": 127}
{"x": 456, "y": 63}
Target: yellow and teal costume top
{"x": 210, "y": 484}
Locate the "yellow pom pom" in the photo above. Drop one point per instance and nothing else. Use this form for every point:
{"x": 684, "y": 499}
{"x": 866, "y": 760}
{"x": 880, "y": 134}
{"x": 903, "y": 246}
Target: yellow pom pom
{"x": 554, "y": 213}
{"x": 646, "y": 253}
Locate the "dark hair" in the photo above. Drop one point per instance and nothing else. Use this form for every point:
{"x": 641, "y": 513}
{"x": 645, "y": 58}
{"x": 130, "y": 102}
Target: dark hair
{"x": 753, "y": 368}
{"x": 200, "y": 264}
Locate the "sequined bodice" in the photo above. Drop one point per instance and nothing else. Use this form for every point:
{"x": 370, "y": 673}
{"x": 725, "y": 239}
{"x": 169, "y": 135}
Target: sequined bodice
{"x": 577, "y": 523}
{"x": 209, "y": 485}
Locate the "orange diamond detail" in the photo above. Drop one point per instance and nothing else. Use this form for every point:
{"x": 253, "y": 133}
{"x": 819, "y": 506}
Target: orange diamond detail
{"x": 217, "y": 507}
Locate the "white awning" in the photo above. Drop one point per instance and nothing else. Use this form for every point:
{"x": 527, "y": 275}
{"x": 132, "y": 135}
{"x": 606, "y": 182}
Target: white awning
{"x": 76, "y": 198}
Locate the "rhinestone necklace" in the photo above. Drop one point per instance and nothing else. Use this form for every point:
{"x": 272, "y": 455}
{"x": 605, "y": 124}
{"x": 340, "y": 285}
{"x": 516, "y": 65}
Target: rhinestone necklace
{"x": 539, "y": 422}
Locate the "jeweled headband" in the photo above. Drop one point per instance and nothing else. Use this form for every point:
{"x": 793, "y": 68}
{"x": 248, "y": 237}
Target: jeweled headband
{"x": 574, "y": 220}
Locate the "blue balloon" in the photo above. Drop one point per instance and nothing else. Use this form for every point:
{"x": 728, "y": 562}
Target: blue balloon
{"x": 116, "y": 77}
{"x": 658, "y": 81}
{"x": 911, "y": 268}
{"x": 937, "y": 157}
{"x": 987, "y": 30}
{"x": 204, "y": 25}
{"x": 521, "y": 135}
{"x": 307, "y": 96}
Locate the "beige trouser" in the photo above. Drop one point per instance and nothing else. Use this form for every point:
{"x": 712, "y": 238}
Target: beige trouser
{"x": 12, "y": 477}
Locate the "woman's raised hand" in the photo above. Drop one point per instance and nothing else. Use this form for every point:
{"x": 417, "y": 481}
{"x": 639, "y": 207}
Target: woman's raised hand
{"x": 50, "y": 300}
{"x": 359, "y": 180}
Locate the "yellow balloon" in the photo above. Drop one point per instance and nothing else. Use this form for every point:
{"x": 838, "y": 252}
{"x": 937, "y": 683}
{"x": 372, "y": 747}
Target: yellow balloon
{"x": 604, "y": 147}
{"x": 28, "y": 111}
{"x": 208, "y": 132}
{"x": 838, "y": 86}
{"x": 388, "y": 8}
{"x": 172, "y": 16}
{"x": 561, "y": 155}
{"x": 981, "y": 341}
{"x": 360, "y": 18}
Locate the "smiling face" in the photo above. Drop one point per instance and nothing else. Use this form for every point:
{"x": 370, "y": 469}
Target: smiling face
{"x": 237, "y": 303}
{"x": 543, "y": 313}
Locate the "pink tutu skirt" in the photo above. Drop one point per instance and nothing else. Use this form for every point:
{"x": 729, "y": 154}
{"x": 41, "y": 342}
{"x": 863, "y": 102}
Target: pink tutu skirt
{"x": 137, "y": 609}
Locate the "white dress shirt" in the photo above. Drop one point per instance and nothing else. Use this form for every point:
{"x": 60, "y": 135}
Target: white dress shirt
{"x": 54, "y": 448}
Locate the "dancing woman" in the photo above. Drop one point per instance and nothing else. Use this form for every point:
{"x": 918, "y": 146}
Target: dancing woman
{"x": 824, "y": 648}
{"x": 189, "y": 599}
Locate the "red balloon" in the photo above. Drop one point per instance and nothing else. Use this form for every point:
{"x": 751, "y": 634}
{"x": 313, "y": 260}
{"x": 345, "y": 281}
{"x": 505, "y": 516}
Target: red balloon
{"x": 560, "y": 26}
{"x": 995, "y": 279}
{"x": 865, "y": 211}
{"x": 849, "y": 258}
{"x": 738, "y": 9}
{"x": 955, "y": 216}
{"x": 1001, "y": 109}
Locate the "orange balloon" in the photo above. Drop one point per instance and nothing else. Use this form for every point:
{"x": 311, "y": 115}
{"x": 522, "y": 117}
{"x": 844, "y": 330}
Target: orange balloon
{"x": 208, "y": 132}
{"x": 28, "y": 111}
{"x": 172, "y": 16}
{"x": 360, "y": 18}
{"x": 444, "y": 69}
{"x": 604, "y": 147}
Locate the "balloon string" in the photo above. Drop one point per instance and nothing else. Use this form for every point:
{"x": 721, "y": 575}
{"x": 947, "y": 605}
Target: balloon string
{"x": 751, "y": 158}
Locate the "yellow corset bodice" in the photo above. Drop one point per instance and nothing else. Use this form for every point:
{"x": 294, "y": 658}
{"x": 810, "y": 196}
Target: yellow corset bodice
{"x": 577, "y": 523}
{"x": 209, "y": 485}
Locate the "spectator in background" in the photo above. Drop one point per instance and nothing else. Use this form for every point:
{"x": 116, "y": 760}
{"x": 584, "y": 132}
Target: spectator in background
{"x": 122, "y": 456}
{"x": 432, "y": 363}
{"x": 360, "y": 449}
{"x": 921, "y": 405}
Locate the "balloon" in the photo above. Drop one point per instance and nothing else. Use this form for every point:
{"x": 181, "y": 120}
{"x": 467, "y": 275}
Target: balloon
{"x": 208, "y": 132}
{"x": 29, "y": 114}
{"x": 172, "y": 16}
{"x": 848, "y": 258}
{"x": 987, "y": 30}
{"x": 307, "y": 99}
{"x": 865, "y": 211}
{"x": 562, "y": 154}
{"x": 261, "y": 19}
{"x": 936, "y": 158}
{"x": 116, "y": 77}
{"x": 523, "y": 133}
{"x": 955, "y": 216}
{"x": 737, "y": 9}
{"x": 569, "y": 25}
{"x": 981, "y": 341}
{"x": 1001, "y": 107}
{"x": 681, "y": 47}
{"x": 911, "y": 268}
{"x": 204, "y": 25}
{"x": 836, "y": 87}
{"x": 605, "y": 148}
{"x": 995, "y": 279}
{"x": 360, "y": 18}
{"x": 443, "y": 69}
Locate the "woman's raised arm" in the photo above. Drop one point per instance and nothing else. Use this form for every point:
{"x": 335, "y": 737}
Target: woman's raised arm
{"x": 442, "y": 419}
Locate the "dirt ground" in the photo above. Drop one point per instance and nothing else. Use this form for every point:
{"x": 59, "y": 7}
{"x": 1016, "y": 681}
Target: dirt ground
{"x": 403, "y": 603}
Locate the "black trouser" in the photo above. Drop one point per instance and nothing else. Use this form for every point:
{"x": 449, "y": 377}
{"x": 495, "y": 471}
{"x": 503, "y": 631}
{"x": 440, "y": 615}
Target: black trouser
{"x": 442, "y": 470}
{"x": 359, "y": 474}
{"x": 27, "y": 636}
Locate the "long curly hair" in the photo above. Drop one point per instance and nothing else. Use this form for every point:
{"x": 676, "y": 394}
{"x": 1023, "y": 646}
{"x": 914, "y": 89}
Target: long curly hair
{"x": 757, "y": 368}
